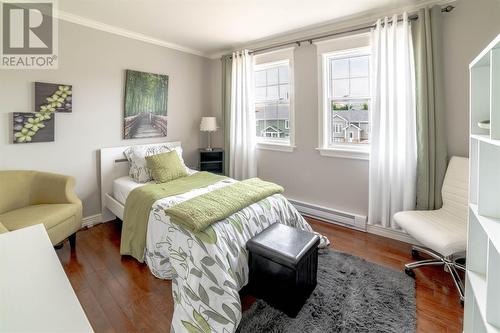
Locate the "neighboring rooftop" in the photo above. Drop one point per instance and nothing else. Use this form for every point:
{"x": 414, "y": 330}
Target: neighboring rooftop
{"x": 353, "y": 116}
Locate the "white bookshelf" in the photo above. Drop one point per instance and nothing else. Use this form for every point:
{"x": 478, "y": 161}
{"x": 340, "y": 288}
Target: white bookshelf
{"x": 482, "y": 288}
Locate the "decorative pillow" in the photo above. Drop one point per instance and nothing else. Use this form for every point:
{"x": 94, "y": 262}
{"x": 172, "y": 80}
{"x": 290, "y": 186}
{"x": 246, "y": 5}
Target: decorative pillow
{"x": 166, "y": 167}
{"x": 136, "y": 155}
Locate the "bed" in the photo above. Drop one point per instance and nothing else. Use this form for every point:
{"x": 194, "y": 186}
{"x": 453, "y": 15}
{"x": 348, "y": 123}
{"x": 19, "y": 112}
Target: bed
{"x": 207, "y": 268}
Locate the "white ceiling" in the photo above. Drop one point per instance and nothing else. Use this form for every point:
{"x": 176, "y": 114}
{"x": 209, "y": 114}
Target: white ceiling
{"x": 208, "y": 27}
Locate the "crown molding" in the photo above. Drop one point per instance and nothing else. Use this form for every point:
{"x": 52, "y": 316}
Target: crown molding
{"x": 335, "y": 25}
{"x": 72, "y": 18}
{"x": 316, "y": 29}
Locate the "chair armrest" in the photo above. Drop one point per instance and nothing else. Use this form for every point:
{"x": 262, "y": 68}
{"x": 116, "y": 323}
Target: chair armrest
{"x": 3, "y": 229}
{"x": 51, "y": 188}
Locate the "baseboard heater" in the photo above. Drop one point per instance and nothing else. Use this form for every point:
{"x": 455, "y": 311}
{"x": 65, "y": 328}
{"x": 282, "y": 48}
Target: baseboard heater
{"x": 330, "y": 215}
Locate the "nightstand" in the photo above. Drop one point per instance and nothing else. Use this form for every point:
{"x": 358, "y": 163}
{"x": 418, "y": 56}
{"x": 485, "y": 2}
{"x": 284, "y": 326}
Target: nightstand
{"x": 212, "y": 160}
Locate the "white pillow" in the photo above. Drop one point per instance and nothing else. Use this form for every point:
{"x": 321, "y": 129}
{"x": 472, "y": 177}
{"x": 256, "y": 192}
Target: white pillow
{"x": 136, "y": 155}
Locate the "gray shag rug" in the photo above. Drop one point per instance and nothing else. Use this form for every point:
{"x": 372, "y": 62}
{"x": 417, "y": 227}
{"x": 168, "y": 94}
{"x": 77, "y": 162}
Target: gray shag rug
{"x": 352, "y": 295}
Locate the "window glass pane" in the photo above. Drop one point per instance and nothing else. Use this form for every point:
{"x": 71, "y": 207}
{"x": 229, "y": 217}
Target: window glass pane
{"x": 272, "y": 109}
{"x": 350, "y": 121}
{"x": 284, "y": 92}
{"x": 359, "y": 66}
{"x": 340, "y": 68}
{"x": 260, "y": 78}
{"x": 360, "y": 87}
{"x": 272, "y": 76}
{"x": 260, "y": 93}
{"x": 340, "y": 88}
{"x": 272, "y": 93}
{"x": 283, "y": 73}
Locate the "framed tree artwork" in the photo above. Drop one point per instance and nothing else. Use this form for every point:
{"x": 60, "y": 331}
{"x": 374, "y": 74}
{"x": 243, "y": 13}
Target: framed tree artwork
{"x": 146, "y": 99}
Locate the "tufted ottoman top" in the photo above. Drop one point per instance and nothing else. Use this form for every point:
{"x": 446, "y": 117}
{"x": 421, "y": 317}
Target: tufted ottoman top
{"x": 283, "y": 244}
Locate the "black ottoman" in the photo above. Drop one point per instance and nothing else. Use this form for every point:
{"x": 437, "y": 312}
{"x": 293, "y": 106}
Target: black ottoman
{"x": 283, "y": 263}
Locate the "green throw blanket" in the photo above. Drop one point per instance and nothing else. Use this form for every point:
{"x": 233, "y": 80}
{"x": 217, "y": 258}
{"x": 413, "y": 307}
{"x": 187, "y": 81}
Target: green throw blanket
{"x": 140, "y": 201}
{"x": 198, "y": 213}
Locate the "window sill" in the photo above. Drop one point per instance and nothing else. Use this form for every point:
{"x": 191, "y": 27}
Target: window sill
{"x": 356, "y": 154}
{"x": 276, "y": 146}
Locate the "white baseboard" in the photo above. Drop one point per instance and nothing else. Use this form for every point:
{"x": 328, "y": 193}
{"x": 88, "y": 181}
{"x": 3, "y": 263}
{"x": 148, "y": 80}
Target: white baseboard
{"x": 91, "y": 221}
{"x": 391, "y": 233}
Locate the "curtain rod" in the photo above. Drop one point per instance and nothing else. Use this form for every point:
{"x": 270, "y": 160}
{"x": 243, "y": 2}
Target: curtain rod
{"x": 413, "y": 17}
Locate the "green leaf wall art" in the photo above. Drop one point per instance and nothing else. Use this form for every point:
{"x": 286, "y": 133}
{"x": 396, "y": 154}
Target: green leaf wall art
{"x": 38, "y": 126}
{"x": 33, "y": 127}
{"x": 59, "y": 96}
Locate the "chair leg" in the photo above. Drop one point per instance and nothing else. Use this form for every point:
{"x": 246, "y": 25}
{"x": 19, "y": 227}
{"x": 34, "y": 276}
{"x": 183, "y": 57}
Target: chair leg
{"x": 425, "y": 250}
{"x": 426, "y": 262}
{"x": 72, "y": 241}
{"x": 458, "y": 281}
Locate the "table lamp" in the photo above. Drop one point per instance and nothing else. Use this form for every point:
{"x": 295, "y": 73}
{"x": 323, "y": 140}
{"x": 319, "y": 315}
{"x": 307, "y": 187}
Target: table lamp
{"x": 208, "y": 124}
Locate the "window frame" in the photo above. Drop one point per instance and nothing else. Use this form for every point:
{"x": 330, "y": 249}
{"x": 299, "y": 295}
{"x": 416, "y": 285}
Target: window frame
{"x": 266, "y": 61}
{"x": 328, "y": 147}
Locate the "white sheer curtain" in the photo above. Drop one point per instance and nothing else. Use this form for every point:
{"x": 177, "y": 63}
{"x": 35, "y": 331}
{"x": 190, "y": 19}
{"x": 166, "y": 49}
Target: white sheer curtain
{"x": 393, "y": 158}
{"x": 242, "y": 161}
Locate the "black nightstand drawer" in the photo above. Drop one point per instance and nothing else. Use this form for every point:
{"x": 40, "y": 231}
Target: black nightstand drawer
{"x": 212, "y": 156}
{"x": 212, "y": 160}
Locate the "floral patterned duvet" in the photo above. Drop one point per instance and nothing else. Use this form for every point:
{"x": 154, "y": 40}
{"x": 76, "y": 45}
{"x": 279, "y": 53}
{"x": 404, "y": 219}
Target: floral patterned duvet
{"x": 209, "y": 268}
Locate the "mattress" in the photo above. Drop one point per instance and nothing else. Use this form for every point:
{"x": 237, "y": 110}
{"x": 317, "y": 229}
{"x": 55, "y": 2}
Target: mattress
{"x": 122, "y": 187}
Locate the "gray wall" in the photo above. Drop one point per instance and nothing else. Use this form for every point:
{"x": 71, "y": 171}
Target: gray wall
{"x": 343, "y": 183}
{"x": 94, "y": 62}
{"x": 467, "y": 30}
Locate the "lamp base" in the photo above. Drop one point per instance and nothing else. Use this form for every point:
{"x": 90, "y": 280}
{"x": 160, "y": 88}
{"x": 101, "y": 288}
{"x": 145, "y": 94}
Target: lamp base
{"x": 209, "y": 148}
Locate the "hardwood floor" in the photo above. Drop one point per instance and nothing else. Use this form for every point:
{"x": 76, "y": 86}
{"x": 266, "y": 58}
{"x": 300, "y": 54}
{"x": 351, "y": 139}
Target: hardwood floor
{"x": 119, "y": 294}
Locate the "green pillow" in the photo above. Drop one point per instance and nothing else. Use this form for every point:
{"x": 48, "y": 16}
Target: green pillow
{"x": 166, "y": 167}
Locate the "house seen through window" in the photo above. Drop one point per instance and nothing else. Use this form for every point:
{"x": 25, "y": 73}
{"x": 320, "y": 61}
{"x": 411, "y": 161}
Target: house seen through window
{"x": 348, "y": 98}
{"x": 272, "y": 102}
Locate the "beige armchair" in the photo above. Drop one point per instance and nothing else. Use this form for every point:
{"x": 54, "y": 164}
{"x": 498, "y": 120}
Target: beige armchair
{"x": 31, "y": 197}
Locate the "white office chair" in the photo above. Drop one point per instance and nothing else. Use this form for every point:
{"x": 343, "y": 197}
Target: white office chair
{"x": 442, "y": 232}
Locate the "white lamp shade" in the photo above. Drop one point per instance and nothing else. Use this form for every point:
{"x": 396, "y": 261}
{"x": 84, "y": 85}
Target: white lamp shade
{"x": 208, "y": 124}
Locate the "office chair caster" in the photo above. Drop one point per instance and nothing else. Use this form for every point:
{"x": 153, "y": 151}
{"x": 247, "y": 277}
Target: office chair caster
{"x": 410, "y": 272}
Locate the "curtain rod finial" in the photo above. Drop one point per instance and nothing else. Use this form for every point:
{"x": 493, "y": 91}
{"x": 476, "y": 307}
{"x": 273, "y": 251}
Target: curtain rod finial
{"x": 447, "y": 9}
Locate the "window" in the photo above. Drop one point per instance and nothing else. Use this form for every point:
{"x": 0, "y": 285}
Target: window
{"x": 346, "y": 99}
{"x": 272, "y": 102}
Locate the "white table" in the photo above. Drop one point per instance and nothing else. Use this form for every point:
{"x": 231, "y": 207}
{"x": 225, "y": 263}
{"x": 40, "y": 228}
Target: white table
{"x": 35, "y": 294}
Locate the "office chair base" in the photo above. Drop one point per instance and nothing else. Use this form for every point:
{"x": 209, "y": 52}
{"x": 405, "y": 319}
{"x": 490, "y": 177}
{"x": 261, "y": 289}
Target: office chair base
{"x": 451, "y": 264}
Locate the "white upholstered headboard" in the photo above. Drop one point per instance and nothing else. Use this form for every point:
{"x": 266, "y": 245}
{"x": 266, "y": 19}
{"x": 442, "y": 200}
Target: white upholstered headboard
{"x": 115, "y": 165}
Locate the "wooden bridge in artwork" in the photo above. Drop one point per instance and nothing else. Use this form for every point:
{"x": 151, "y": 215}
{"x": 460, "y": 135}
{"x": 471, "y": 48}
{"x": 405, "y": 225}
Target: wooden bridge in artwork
{"x": 145, "y": 125}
